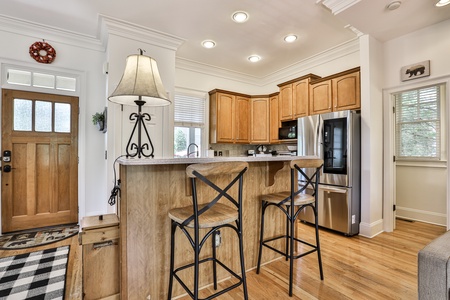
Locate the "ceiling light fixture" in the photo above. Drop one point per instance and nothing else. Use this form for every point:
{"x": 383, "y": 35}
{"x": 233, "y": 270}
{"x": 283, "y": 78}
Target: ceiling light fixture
{"x": 393, "y": 5}
{"x": 240, "y": 16}
{"x": 441, "y": 3}
{"x": 254, "y": 58}
{"x": 208, "y": 44}
{"x": 290, "y": 38}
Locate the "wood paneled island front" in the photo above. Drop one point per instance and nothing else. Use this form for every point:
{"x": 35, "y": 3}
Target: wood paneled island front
{"x": 150, "y": 187}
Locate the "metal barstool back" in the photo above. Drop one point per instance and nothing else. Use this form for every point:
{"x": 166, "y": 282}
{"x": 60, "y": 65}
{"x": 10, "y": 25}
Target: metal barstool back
{"x": 291, "y": 203}
{"x": 211, "y": 216}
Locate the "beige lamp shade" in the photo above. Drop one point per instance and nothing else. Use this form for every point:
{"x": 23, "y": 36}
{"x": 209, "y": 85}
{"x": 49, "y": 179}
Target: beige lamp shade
{"x": 140, "y": 82}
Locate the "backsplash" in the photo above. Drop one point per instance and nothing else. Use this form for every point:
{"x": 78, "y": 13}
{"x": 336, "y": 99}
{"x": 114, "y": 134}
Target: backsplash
{"x": 241, "y": 149}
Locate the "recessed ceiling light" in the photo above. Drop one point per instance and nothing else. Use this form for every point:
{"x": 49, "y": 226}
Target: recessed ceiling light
{"x": 290, "y": 38}
{"x": 442, "y": 3}
{"x": 254, "y": 58}
{"x": 208, "y": 44}
{"x": 240, "y": 16}
{"x": 393, "y": 5}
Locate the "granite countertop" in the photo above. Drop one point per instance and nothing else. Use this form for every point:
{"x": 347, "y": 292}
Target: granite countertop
{"x": 174, "y": 161}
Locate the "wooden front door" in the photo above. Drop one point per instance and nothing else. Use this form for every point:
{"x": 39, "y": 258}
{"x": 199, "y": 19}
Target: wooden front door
{"x": 40, "y": 175}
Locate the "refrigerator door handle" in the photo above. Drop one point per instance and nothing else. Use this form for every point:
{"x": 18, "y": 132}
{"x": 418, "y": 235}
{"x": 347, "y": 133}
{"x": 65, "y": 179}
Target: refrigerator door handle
{"x": 333, "y": 190}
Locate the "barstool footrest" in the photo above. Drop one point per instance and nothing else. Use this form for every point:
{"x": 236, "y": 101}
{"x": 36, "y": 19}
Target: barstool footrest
{"x": 264, "y": 243}
{"x": 208, "y": 259}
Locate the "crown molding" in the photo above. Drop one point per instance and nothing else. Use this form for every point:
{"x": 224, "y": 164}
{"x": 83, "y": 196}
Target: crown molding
{"x": 295, "y": 70}
{"x": 337, "y": 6}
{"x": 40, "y": 31}
{"x": 198, "y": 67}
{"x": 110, "y": 25}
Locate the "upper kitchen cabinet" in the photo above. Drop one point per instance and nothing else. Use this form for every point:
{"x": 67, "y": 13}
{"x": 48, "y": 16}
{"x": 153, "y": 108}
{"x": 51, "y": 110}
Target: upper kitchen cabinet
{"x": 347, "y": 91}
{"x": 242, "y": 119}
{"x": 274, "y": 119}
{"x": 336, "y": 92}
{"x": 229, "y": 117}
{"x": 320, "y": 97}
{"x": 260, "y": 122}
{"x": 294, "y": 97}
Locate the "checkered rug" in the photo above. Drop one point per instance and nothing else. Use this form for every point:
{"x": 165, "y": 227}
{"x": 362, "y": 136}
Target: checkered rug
{"x": 35, "y": 275}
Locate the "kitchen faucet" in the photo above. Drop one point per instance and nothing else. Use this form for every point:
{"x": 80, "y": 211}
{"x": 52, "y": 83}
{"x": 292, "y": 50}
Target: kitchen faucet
{"x": 194, "y": 152}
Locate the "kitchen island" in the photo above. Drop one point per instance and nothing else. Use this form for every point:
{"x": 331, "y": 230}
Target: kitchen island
{"x": 151, "y": 187}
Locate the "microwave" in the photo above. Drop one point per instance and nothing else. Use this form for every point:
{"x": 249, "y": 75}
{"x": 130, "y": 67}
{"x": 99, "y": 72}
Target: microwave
{"x": 287, "y": 132}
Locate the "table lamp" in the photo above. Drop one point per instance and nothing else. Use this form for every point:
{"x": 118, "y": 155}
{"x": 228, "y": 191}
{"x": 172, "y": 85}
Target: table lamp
{"x": 140, "y": 85}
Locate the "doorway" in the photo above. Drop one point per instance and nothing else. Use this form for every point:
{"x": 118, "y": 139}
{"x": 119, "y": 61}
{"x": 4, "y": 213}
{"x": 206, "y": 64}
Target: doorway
{"x": 39, "y": 160}
{"x": 427, "y": 169}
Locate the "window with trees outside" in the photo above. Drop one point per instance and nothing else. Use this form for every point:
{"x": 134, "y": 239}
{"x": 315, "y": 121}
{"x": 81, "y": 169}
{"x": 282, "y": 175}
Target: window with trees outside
{"x": 189, "y": 121}
{"x": 418, "y": 123}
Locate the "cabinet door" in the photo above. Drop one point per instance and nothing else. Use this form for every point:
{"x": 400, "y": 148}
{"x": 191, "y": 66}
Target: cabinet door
{"x": 225, "y": 120}
{"x": 274, "y": 120}
{"x": 301, "y": 98}
{"x": 320, "y": 101}
{"x": 260, "y": 121}
{"x": 242, "y": 120}
{"x": 346, "y": 92}
{"x": 285, "y": 99}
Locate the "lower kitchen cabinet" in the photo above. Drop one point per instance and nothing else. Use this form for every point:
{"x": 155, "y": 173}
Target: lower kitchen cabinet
{"x": 99, "y": 237}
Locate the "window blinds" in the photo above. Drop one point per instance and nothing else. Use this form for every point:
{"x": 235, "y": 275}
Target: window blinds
{"x": 189, "y": 111}
{"x": 418, "y": 123}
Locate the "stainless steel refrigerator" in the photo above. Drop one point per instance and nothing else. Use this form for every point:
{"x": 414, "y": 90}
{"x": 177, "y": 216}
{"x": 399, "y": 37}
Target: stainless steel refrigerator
{"x": 335, "y": 137}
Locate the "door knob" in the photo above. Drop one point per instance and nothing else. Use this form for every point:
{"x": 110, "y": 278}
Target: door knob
{"x": 7, "y": 168}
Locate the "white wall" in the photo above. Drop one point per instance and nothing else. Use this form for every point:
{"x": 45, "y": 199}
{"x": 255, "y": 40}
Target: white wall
{"x": 78, "y": 55}
{"x": 422, "y": 192}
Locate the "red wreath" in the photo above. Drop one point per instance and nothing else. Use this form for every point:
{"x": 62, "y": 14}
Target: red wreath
{"x": 42, "y": 52}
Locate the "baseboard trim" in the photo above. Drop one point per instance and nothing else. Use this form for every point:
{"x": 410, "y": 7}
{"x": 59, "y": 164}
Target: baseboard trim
{"x": 372, "y": 229}
{"x": 421, "y": 215}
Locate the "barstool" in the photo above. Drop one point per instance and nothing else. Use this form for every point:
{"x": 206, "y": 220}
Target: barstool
{"x": 211, "y": 216}
{"x": 302, "y": 200}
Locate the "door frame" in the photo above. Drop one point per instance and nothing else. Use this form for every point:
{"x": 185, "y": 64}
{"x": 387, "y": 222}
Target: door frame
{"x": 82, "y": 96}
{"x": 389, "y": 180}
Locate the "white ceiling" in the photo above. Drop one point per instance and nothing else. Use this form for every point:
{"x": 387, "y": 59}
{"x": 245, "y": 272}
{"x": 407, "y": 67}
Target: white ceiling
{"x": 320, "y": 25}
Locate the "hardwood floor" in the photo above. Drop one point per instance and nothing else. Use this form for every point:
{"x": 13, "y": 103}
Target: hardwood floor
{"x": 384, "y": 267}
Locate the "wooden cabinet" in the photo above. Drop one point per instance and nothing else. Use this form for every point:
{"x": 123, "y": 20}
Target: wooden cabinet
{"x": 274, "y": 119}
{"x": 294, "y": 98}
{"x": 229, "y": 117}
{"x": 320, "y": 101}
{"x": 242, "y": 119}
{"x": 337, "y": 92}
{"x": 260, "y": 122}
{"x": 300, "y": 90}
{"x": 286, "y": 100}
{"x": 347, "y": 91}
{"x": 99, "y": 237}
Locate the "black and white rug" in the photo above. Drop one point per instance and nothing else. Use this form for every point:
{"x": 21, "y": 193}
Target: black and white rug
{"x": 34, "y": 275}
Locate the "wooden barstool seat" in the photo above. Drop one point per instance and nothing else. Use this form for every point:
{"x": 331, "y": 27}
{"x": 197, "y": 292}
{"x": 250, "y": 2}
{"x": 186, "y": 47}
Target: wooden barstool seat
{"x": 210, "y": 215}
{"x": 217, "y": 215}
{"x": 309, "y": 168}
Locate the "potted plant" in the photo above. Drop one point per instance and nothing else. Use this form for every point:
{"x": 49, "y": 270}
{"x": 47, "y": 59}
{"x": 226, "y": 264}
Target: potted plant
{"x": 99, "y": 120}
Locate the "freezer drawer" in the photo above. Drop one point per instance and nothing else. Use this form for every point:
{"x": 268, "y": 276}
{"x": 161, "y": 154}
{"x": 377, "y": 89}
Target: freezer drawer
{"x": 337, "y": 210}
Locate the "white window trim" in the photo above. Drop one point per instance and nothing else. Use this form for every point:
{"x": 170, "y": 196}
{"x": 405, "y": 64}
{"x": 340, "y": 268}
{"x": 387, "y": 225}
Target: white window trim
{"x": 445, "y": 130}
{"x": 5, "y": 85}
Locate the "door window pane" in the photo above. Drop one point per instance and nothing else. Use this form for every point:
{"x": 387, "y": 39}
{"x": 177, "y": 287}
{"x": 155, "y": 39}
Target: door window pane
{"x": 44, "y": 80}
{"x": 19, "y": 77}
{"x": 22, "y": 115}
{"x": 62, "y": 117}
{"x": 66, "y": 83}
{"x": 43, "y": 116}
